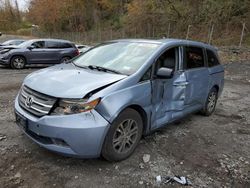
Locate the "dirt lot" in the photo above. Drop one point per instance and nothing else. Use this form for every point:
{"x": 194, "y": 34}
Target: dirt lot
{"x": 211, "y": 151}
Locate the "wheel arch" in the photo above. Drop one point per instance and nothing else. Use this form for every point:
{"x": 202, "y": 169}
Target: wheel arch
{"x": 19, "y": 55}
{"x": 216, "y": 87}
{"x": 141, "y": 112}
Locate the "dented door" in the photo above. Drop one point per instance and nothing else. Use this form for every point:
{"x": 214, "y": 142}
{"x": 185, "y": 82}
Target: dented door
{"x": 168, "y": 97}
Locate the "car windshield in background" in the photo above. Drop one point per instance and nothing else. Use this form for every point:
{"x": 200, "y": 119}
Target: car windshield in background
{"x": 24, "y": 44}
{"x": 123, "y": 57}
{"x": 13, "y": 42}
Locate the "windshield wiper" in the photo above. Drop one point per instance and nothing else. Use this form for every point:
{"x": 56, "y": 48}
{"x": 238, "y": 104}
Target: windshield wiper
{"x": 103, "y": 69}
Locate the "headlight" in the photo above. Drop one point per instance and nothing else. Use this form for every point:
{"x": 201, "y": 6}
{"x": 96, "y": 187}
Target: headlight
{"x": 4, "y": 51}
{"x": 74, "y": 106}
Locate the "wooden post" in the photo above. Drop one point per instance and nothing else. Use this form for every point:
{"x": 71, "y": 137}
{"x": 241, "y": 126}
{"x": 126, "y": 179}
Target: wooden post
{"x": 149, "y": 33}
{"x": 99, "y": 33}
{"x": 169, "y": 27}
{"x": 242, "y": 34}
{"x": 123, "y": 33}
{"x": 211, "y": 34}
{"x": 189, "y": 26}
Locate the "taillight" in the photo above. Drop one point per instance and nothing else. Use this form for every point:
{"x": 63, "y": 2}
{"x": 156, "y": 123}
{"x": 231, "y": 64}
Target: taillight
{"x": 77, "y": 52}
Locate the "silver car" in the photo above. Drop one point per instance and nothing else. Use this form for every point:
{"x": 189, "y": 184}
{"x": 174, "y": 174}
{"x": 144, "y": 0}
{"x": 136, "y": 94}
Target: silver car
{"x": 102, "y": 102}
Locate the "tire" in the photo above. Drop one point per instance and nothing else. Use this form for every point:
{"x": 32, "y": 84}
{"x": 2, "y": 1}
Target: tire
{"x": 123, "y": 136}
{"x": 17, "y": 62}
{"x": 210, "y": 102}
{"x": 65, "y": 59}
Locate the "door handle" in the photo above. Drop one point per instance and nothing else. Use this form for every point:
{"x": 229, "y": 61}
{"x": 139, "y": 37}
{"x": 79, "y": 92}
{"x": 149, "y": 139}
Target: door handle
{"x": 181, "y": 83}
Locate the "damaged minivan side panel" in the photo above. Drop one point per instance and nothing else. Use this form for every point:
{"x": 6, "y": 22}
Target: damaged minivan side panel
{"x": 113, "y": 104}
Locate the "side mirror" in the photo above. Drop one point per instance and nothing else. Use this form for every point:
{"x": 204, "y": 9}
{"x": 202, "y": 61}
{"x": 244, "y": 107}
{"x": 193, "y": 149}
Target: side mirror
{"x": 164, "y": 73}
{"x": 31, "y": 47}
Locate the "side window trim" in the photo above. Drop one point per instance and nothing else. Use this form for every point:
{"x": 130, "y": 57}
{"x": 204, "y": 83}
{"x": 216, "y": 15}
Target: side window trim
{"x": 206, "y": 57}
{"x": 181, "y": 58}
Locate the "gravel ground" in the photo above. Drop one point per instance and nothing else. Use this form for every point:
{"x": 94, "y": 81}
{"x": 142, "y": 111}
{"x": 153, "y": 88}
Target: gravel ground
{"x": 211, "y": 151}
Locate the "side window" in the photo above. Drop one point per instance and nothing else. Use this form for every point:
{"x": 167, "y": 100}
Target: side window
{"x": 52, "y": 44}
{"x": 38, "y": 44}
{"x": 212, "y": 59}
{"x": 65, "y": 45}
{"x": 194, "y": 58}
{"x": 168, "y": 59}
{"x": 147, "y": 75}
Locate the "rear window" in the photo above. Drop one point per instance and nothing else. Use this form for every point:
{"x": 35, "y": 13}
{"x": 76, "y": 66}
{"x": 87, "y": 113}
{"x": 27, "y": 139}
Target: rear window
{"x": 194, "y": 58}
{"x": 212, "y": 59}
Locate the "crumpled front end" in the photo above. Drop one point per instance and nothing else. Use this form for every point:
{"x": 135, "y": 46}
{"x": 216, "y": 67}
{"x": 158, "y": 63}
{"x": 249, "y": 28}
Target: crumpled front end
{"x": 80, "y": 135}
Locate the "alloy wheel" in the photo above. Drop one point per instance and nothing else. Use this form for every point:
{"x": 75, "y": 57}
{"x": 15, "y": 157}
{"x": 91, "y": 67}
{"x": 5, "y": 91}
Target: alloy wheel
{"x": 125, "y": 136}
{"x": 211, "y": 101}
{"x": 18, "y": 63}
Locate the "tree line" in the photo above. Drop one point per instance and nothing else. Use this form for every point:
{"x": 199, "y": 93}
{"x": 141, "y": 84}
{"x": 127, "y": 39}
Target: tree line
{"x": 144, "y": 17}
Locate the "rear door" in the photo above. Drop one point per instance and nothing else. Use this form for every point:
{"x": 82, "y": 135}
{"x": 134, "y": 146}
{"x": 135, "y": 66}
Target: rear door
{"x": 197, "y": 76}
{"x": 37, "y": 55}
{"x": 53, "y": 51}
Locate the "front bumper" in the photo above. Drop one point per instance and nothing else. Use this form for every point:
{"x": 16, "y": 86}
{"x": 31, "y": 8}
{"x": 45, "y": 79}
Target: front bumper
{"x": 79, "y": 135}
{"x": 5, "y": 59}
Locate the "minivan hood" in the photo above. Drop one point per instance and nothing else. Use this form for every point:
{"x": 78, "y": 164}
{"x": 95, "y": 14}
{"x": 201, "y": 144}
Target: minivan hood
{"x": 69, "y": 81}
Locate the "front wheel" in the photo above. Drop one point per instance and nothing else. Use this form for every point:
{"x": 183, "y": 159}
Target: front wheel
{"x": 211, "y": 102}
{"x": 18, "y": 62}
{"x": 123, "y": 136}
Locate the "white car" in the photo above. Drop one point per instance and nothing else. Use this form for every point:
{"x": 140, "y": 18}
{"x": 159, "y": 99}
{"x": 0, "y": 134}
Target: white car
{"x": 83, "y": 48}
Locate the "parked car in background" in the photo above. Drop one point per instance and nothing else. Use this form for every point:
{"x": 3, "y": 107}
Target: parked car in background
{"x": 83, "y": 48}
{"x": 38, "y": 51}
{"x": 107, "y": 98}
{"x": 11, "y": 42}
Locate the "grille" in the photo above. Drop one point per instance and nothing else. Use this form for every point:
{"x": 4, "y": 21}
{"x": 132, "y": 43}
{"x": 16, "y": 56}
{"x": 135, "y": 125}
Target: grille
{"x": 36, "y": 103}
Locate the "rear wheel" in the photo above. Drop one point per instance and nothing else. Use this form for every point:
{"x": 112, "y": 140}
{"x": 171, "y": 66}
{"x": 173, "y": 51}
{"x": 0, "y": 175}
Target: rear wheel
{"x": 123, "y": 136}
{"x": 18, "y": 62}
{"x": 65, "y": 59}
{"x": 211, "y": 102}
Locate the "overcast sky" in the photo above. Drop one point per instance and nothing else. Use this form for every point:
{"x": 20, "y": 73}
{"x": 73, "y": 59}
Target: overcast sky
{"x": 23, "y": 4}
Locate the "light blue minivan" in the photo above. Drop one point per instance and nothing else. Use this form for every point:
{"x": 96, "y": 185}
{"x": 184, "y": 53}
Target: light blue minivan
{"x": 103, "y": 101}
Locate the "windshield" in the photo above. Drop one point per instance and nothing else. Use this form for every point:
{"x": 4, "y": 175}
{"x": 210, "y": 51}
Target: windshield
{"x": 13, "y": 42}
{"x": 24, "y": 44}
{"x": 123, "y": 57}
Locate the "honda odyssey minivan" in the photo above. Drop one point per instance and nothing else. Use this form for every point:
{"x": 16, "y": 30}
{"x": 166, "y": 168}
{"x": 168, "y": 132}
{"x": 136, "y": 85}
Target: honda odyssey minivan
{"x": 103, "y": 101}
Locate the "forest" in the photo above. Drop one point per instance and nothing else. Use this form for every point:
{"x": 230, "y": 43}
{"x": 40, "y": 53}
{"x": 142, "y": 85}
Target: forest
{"x": 135, "y": 18}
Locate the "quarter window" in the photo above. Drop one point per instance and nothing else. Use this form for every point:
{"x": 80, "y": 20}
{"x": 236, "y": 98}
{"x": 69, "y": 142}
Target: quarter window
{"x": 147, "y": 75}
{"x": 194, "y": 58}
{"x": 212, "y": 59}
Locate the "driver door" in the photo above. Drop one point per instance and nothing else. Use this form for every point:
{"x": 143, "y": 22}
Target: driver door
{"x": 37, "y": 54}
{"x": 168, "y": 94}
